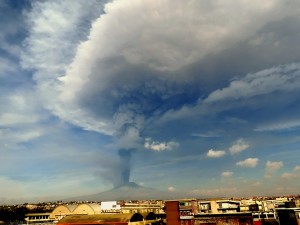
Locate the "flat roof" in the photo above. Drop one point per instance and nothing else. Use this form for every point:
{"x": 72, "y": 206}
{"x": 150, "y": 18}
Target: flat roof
{"x": 101, "y": 218}
{"x": 38, "y": 214}
{"x": 227, "y": 201}
{"x": 181, "y": 199}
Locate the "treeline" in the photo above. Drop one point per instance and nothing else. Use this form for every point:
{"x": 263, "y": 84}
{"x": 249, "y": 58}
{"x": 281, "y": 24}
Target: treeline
{"x": 16, "y": 214}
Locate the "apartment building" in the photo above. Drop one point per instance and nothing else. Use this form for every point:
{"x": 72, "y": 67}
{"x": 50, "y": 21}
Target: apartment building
{"x": 219, "y": 206}
{"x": 156, "y": 207}
{"x": 174, "y": 217}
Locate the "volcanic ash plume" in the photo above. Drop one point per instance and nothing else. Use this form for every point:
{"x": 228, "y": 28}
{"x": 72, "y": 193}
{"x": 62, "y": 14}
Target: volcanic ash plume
{"x": 125, "y": 166}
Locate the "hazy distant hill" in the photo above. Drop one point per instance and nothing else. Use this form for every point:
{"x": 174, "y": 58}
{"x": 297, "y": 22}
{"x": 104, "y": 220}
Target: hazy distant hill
{"x": 129, "y": 191}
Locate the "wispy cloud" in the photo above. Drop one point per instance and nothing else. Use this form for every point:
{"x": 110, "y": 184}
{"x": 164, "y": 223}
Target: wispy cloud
{"x": 206, "y": 135}
{"x": 272, "y": 167}
{"x": 279, "y": 126}
{"x": 260, "y": 83}
{"x": 292, "y": 175}
{"x": 7, "y": 67}
{"x": 57, "y": 23}
{"x": 289, "y": 175}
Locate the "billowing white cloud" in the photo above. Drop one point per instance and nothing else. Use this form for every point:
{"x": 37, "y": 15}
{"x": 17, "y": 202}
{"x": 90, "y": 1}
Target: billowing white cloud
{"x": 249, "y": 163}
{"x": 93, "y": 67}
{"x": 160, "y": 146}
{"x": 227, "y": 174}
{"x": 238, "y": 146}
{"x": 171, "y": 49}
{"x": 215, "y": 153}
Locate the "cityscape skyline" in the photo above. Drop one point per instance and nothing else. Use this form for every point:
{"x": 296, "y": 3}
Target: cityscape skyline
{"x": 187, "y": 96}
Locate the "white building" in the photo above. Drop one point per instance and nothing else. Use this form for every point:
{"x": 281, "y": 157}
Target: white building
{"x": 110, "y": 207}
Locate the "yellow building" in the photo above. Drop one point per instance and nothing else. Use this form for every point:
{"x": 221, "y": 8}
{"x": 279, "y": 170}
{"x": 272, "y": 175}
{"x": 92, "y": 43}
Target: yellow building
{"x": 63, "y": 210}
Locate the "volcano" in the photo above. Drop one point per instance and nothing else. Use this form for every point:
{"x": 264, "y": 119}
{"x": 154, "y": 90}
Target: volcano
{"x": 129, "y": 191}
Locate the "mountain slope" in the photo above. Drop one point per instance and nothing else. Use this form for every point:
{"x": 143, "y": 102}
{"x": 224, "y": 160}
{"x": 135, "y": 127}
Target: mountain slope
{"x": 129, "y": 191}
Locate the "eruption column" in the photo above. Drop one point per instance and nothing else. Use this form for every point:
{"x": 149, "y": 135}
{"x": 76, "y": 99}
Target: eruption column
{"x": 125, "y": 165}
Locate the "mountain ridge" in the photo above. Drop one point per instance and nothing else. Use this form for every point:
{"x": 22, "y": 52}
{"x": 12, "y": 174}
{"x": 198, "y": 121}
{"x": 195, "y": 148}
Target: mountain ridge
{"x": 129, "y": 191}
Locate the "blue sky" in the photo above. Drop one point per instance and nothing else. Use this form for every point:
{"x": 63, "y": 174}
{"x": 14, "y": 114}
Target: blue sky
{"x": 194, "y": 96}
